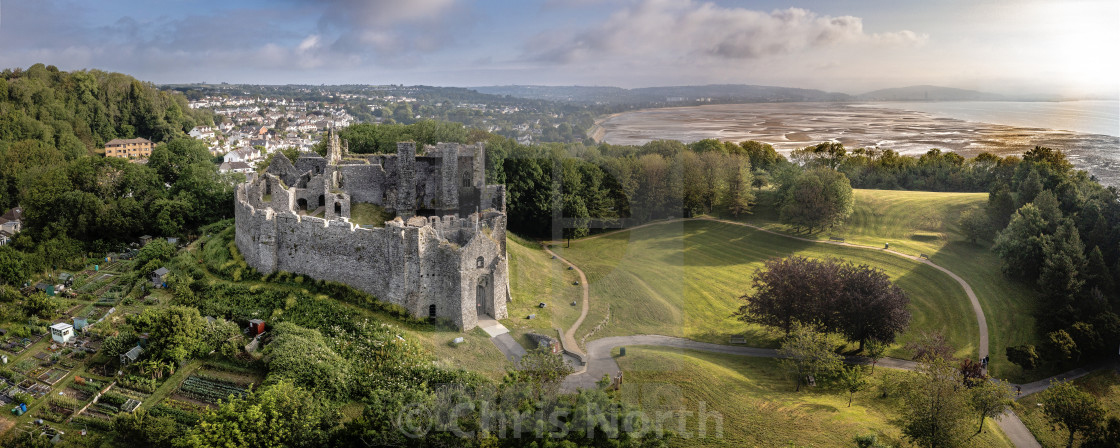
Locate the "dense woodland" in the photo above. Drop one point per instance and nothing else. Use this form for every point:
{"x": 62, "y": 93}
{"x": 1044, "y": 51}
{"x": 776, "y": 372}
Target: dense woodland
{"x": 53, "y": 126}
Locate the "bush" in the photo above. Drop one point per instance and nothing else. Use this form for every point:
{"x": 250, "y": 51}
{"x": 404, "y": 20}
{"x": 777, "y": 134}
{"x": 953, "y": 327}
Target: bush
{"x": 1025, "y": 356}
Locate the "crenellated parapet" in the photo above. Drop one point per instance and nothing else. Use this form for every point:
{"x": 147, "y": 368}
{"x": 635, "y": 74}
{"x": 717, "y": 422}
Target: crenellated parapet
{"x": 449, "y": 265}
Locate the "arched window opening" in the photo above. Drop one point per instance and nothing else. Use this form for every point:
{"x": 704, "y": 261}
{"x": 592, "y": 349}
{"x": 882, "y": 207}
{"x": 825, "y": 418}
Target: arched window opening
{"x": 480, "y": 262}
{"x": 432, "y": 311}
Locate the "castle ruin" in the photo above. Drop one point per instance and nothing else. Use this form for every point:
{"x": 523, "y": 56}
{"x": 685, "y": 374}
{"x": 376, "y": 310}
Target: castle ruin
{"x": 443, "y": 255}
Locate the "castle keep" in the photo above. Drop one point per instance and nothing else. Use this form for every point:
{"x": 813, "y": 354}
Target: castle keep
{"x": 443, "y": 255}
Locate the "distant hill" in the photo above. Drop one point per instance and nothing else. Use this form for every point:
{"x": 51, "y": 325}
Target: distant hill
{"x": 670, "y": 95}
{"x": 928, "y": 93}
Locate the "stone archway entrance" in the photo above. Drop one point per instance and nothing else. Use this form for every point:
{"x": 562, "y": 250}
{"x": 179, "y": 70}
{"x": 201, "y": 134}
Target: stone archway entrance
{"x": 481, "y": 295}
{"x": 302, "y": 204}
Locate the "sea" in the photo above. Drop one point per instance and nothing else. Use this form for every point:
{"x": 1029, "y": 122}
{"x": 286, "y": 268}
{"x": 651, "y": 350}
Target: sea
{"x": 1089, "y": 117}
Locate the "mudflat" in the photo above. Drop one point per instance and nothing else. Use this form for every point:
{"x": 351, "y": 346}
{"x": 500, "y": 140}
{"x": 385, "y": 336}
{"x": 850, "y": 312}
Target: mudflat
{"x": 788, "y": 126}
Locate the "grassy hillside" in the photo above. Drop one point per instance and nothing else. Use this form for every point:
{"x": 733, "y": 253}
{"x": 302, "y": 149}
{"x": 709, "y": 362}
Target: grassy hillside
{"x": 685, "y": 279}
{"x": 1105, "y": 385}
{"x": 917, "y": 222}
{"x": 534, "y": 278}
{"x": 758, "y": 403}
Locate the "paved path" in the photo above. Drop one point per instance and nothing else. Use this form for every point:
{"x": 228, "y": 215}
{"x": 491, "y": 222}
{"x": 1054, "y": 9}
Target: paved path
{"x": 568, "y": 338}
{"x": 599, "y": 360}
{"x": 500, "y": 337}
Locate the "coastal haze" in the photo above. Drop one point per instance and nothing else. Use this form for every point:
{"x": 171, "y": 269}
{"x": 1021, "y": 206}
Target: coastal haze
{"x": 1085, "y": 130}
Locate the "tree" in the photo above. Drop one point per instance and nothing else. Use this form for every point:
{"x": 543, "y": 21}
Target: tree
{"x": 1064, "y": 404}
{"x": 1020, "y": 245}
{"x": 789, "y": 290}
{"x": 976, "y": 225}
{"x": 852, "y": 380}
{"x": 13, "y": 271}
{"x": 543, "y": 369}
{"x": 1001, "y": 205}
{"x": 875, "y": 350}
{"x": 807, "y": 352}
{"x": 1029, "y": 188}
{"x": 175, "y": 333}
{"x": 279, "y": 415}
{"x": 304, "y": 357}
{"x": 1062, "y": 345}
{"x": 817, "y": 198}
{"x": 1024, "y": 356}
{"x": 869, "y": 305}
{"x": 738, "y": 199}
{"x": 936, "y": 406}
{"x": 1061, "y": 275}
{"x": 990, "y": 399}
{"x": 930, "y": 346}
{"x": 140, "y": 429}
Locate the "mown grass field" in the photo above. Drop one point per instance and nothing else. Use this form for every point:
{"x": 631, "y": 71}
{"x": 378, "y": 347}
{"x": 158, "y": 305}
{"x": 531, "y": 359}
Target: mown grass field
{"x": 1104, "y": 384}
{"x": 758, "y": 403}
{"x": 686, "y": 279}
{"x": 917, "y": 222}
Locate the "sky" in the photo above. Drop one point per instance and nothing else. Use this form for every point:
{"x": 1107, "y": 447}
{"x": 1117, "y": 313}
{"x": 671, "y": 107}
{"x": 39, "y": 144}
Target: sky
{"x": 1022, "y": 47}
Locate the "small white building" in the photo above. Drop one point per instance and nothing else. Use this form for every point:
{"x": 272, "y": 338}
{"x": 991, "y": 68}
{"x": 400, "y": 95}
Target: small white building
{"x": 62, "y": 332}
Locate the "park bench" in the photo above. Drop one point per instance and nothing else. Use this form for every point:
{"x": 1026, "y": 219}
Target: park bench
{"x": 738, "y": 340}
{"x": 836, "y": 238}
{"x": 924, "y": 256}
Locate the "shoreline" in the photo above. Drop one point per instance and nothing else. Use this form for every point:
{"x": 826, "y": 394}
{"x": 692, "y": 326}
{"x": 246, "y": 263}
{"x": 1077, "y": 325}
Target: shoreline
{"x": 881, "y": 125}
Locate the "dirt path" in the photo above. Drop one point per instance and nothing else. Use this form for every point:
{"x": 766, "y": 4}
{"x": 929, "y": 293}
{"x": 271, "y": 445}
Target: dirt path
{"x": 568, "y": 338}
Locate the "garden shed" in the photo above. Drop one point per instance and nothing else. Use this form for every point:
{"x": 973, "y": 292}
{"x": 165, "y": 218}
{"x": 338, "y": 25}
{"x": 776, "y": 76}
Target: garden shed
{"x": 62, "y": 332}
{"x": 131, "y": 356}
{"x": 159, "y": 277}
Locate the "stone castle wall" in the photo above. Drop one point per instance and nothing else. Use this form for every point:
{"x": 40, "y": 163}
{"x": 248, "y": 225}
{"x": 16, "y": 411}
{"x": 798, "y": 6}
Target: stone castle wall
{"x": 458, "y": 264}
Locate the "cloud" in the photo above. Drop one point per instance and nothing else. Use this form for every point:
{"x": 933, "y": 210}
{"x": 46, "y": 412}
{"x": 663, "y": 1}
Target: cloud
{"x": 294, "y": 35}
{"x": 684, "y": 30}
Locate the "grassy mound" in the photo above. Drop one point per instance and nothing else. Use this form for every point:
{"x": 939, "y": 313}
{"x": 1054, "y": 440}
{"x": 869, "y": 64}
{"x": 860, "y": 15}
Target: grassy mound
{"x": 535, "y": 277}
{"x": 758, "y": 403}
{"x": 921, "y": 222}
{"x": 685, "y": 279}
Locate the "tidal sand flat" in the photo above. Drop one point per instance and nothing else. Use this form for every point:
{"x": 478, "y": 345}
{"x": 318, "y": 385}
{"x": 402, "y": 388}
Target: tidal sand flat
{"x": 788, "y": 126}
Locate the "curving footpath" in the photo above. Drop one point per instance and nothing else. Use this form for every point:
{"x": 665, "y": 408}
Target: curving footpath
{"x": 568, "y": 338}
{"x": 599, "y": 362}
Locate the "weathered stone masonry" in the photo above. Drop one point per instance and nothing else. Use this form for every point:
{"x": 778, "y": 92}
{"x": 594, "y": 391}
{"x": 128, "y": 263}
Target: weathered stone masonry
{"x": 445, "y": 249}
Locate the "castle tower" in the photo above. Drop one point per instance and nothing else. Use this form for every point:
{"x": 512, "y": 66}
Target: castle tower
{"x": 334, "y": 149}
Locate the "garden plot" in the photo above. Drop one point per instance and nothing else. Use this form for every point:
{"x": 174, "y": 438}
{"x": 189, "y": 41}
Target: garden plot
{"x": 207, "y": 390}
{"x": 53, "y": 376}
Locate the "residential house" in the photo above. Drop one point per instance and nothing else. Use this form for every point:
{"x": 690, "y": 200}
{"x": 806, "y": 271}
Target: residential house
{"x": 202, "y": 132}
{"x": 132, "y": 148}
{"x": 242, "y": 155}
{"x": 11, "y": 220}
{"x": 5, "y": 237}
{"x": 235, "y": 167}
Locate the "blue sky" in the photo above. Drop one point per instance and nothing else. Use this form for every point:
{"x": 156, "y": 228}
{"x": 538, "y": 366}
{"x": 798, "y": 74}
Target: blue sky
{"x": 1027, "y": 46}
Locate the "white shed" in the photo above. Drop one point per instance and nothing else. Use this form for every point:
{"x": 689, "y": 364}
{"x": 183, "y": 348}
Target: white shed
{"x": 62, "y": 332}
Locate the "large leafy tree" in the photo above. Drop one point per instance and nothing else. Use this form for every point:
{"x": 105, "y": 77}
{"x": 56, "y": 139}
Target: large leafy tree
{"x": 281, "y": 415}
{"x": 859, "y": 302}
{"x": 817, "y": 198}
{"x": 1069, "y": 406}
{"x": 807, "y": 352}
{"x": 936, "y": 407}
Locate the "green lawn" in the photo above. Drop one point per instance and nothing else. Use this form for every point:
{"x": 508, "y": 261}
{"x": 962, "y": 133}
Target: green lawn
{"x": 1104, "y": 384}
{"x": 917, "y": 222}
{"x": 366, "y": 214}
{"x": 685, "y": 279}
{"x": 534, "y": 278}
{"x": 758, "y": 404}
